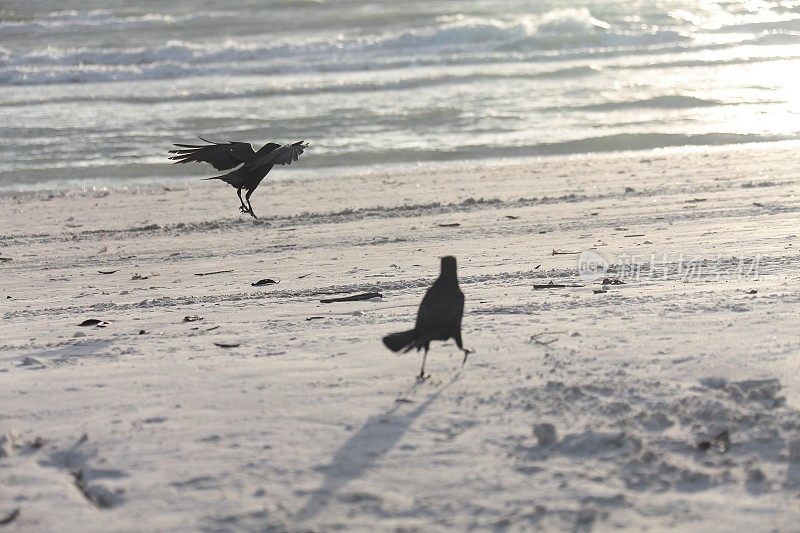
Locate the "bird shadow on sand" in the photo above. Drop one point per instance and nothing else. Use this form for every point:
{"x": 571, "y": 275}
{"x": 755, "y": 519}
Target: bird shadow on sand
{"x": 375, "y": 439}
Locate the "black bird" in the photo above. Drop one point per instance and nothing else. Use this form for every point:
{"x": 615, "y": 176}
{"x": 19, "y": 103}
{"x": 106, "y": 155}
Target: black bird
{"x": 438, "y": 318}
{"x": 254, "y": 165}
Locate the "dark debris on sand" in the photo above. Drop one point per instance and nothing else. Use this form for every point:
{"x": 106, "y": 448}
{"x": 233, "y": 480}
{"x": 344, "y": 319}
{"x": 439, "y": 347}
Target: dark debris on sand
{"x": 94, "y": 322}
{"x": 10, "y": 517}
{"x": 353, "y": 298}
{"x": 266, "y": 281}
{"x": 227, "y": 344}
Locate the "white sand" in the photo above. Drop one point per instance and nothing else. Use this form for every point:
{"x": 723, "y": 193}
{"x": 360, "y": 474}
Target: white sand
{"x": 314, "y": 424}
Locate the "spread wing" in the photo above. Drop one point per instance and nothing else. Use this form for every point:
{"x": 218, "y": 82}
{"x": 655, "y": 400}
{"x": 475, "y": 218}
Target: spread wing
{"x": 283, "y": 155}
{"x": 222, "y": 156}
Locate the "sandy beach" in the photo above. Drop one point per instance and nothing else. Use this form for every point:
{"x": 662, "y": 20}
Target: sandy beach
{"x": 668, "y": 401}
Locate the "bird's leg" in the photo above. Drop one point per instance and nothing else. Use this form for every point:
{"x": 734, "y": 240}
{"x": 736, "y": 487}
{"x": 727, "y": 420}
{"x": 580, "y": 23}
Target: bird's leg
{"x": 249, "y": 205}
{"x": 461, "y": 347}
{"x": 422, "y": 376}
{"x": 242, "y": 208}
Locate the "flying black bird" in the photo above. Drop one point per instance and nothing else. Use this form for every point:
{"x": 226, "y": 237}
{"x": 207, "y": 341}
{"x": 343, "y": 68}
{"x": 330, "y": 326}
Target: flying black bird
{"x": 254, "y": 165}
{"x": 438, "y": 318}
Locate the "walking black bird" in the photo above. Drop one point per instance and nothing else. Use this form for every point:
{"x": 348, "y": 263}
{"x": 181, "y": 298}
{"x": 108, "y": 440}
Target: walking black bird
{"x": 230, "y": 155}
{"x": 438, "y": 318}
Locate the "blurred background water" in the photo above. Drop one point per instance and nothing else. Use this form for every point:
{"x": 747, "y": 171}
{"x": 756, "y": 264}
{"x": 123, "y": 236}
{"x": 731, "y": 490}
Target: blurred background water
{"x": 98, "y": 94}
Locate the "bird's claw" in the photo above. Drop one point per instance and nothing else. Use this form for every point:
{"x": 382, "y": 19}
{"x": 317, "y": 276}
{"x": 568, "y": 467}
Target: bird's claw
{"x": 421, "y": 378}
{"x": 247, "y": 211}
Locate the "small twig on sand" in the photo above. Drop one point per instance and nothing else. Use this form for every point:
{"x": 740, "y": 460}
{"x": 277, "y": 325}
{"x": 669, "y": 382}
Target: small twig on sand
{"x": 552, "y": 285}
{"x": 227, "y": 344}
{"x": 354, "y": 298}
{"x": 537, "y": 340}
{"x": 10, "y": 517}
{"x": 215, "y": 272}
{"x": 564, "y": 252}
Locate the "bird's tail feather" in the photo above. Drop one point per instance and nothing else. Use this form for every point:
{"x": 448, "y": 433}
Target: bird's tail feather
{"x": 232, "y": 178}
{"x": 397, "y": 341}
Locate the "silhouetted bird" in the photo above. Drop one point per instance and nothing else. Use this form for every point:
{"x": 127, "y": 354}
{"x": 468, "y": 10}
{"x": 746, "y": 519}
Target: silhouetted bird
{"x": 438, "y": 318}
{"x": 254, "y": 165}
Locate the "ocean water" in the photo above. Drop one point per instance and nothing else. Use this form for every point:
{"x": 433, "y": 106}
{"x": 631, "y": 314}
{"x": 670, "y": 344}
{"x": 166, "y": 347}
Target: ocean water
{"x": 96, "y": 94}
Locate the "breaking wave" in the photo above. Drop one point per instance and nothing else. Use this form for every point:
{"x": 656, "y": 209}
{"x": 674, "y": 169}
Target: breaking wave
{"x": 459, "y": 39}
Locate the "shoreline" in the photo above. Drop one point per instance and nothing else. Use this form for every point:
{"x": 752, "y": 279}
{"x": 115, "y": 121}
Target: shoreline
{"x": 187, "y": 174}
